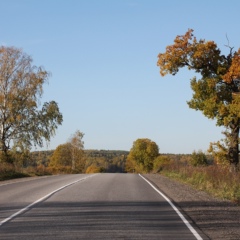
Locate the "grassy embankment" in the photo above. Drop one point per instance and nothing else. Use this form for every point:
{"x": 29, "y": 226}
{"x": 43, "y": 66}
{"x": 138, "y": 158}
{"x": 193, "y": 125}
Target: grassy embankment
{"x": 216, "y": 180}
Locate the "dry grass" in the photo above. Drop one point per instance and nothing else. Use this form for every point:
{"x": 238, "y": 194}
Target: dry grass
{"x": 8, "y": 171}
{"x": 216, "y": 180}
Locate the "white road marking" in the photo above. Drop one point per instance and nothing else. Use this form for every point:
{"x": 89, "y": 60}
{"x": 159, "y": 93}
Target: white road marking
{"x": 194, "y": 232}
{"x": 40, "y": 200}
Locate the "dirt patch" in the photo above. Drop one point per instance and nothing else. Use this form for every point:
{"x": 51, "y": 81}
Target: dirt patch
{"x": 216, "y": 218}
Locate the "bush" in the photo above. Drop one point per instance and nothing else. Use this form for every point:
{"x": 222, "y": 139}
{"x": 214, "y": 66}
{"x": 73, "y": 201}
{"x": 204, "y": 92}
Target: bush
{"x": 198, "y": 159}
{"x": 160, "y": 162}
{"x": 8, "y": 171}
{"x": 94, "y": 169}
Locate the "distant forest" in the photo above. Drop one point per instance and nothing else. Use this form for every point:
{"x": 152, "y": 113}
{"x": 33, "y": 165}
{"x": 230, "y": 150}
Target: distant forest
{"x": 110, "y": 161}
{"x": 105, "y": 160}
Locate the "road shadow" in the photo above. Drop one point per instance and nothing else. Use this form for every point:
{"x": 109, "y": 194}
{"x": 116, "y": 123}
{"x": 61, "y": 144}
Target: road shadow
{"x": 97, "y": 220}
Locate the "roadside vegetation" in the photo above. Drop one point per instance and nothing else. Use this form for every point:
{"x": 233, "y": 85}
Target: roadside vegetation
{"x": 212, "y": 178}
{"x": 200, "y": 170}
{"x": 59, "y": 161}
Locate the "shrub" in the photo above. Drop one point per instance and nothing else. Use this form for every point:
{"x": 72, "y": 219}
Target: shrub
{"x": 8, "y": 171}
{"x": 160, "y": 162}
{"x": 94, "y": 169}
{"x": 198, "y": 159}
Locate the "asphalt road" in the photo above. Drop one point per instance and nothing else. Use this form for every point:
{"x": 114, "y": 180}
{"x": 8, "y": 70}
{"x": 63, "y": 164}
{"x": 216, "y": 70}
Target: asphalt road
{"x": 101, "y": 206}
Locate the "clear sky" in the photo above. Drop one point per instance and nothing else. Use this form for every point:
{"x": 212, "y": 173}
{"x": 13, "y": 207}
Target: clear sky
{"x": 102, "y": 55}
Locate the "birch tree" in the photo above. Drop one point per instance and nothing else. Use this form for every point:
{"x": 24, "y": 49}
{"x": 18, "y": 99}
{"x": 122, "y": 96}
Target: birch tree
{"x": 70, "y": 155}
{"x": 77, "y": 152}
{"x": 23, "y": 120}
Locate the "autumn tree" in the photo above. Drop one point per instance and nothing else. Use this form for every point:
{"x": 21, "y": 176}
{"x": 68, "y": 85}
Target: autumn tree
{"x": 70, "y": 155}
{"x": 61, "y": 157}
{"x": 142, "y": 155}
{"x": 130, "y": 165}
{"x": 23, "y": 122}
{"x": 199, "y": 159}
{"x": 77, "y": 153}
{"x": 216, "y": 92}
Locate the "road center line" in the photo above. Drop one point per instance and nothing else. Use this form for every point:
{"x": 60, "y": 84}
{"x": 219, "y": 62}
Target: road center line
{"x": 194, "y": 232}
{"x": 40, "y": 200}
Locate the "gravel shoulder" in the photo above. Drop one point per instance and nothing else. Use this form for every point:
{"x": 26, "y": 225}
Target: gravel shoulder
{"x": 216, "y": 218}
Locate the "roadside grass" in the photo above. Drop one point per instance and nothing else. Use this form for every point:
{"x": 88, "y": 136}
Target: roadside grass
{"x": 8, "y": 171}
{"x": 216, "y": 180}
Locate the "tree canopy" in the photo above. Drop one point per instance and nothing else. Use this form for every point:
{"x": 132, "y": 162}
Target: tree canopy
{"x": 142, "y": 155}
{"x": 70, "y": 156}
{"x": 23, "y": 122}
{"x": 216, "y": 93}
{"x": 77, "y": 154}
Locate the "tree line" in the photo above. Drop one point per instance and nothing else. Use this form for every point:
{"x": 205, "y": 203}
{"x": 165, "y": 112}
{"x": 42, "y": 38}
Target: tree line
{"x": 144, "y": 157}
{"x": 93, "y": 161}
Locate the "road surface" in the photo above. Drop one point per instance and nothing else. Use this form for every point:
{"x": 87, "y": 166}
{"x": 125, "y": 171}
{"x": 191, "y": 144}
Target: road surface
{"x": 97, "y": 206}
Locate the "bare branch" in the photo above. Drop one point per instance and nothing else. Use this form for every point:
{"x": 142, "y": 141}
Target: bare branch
{"x": 228, "y": 45}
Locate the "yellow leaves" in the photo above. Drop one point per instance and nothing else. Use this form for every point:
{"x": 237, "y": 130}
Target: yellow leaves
{"x": 219, "y": 152}
{"x": 234, "y": 70}
{"x": 142, "y": 154}
{"x": 94, "y": 169}
{"x": 235, "y": 106}
{"x": 204, "y": 50}
{"x": 176, "y": 55}
{"x": 202, "y": 56}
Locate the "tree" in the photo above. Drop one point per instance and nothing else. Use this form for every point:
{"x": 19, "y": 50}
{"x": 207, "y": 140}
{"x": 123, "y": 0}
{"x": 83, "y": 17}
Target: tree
{"x": 219, "y": 151}
{"x": 94, "y": 169}
{"x": 142, "y": 155}
{"x": 198, "y": 159}
{"x": 70, "y": 155}
{"x": 61, "y": 156}
{"x": 161, "y": 162}
{"x": 77, "y": 152}
{"x": 216, "y": 93}
{"x": 22, "y": 122}
{"x": 130, "y": 164}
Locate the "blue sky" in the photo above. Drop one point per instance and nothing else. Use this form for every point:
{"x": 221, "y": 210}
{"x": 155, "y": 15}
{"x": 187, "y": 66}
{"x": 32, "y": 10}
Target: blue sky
{"x": 102, "y": 55}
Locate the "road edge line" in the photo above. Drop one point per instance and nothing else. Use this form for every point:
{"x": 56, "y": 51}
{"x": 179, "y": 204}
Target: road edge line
{"x": 40, "y": 200}
{"x": 194, "y": 232}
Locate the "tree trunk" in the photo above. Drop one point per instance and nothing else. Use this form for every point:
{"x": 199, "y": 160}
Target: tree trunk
{"x": 233, "y": 152}
{"x": 4, "y": 149}
{"x": 4, "y": 154}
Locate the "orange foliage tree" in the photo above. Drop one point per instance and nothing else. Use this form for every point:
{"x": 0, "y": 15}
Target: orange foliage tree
{"x": 216, "y": 93}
